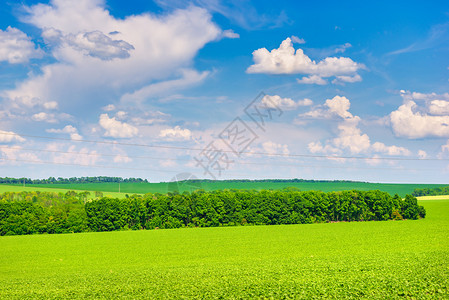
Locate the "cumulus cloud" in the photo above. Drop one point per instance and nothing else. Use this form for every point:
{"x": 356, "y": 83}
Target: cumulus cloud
{"x": 393, "y": 150}
{"x": 312, "y": 79}
{"x": 421, "y": 115}
{"x": 287, "y": 60}
{"x": 335, "y": 107}
{"x": 276, "y": 101}
{"x": 16, "y": 47}
{"x": 116, "y": 128}
{"x": 422, "y": 154}
{"x": 305, "y": 102}
{"x": 69, "y": 129}
{"x": 439, "y": 107}
{"x": 44, "y": 117}
{"x": 9, "y": 136}
{"x": 94, "y": 43}
{"x": 176, "y": 133}
{"x": 350, "y": 137}
{"x": 89, "y": 60}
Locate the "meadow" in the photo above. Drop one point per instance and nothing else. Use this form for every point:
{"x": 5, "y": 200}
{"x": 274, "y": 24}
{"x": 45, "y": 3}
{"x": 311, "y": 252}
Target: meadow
{"x": 376, "y": 260}
{"x": 162, "y": 187}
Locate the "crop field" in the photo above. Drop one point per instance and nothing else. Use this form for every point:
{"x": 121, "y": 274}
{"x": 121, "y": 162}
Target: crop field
{"x": 439, "y": 197}
{"x": 142, "y": 188}
{"x": 376, "y": 260}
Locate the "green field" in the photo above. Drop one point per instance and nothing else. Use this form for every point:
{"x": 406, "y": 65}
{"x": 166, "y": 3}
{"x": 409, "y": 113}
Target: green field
{"x": 142, "y": 188}
{"x": 390, "y": 259}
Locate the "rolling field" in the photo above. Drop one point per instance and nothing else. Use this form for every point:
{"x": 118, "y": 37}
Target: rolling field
{"x": 391, "y": 259}
{"x": 142, "y": 188}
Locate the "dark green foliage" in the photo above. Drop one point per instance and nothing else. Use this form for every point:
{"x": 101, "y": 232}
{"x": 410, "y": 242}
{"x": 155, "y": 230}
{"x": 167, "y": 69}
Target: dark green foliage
{"x": 41, "y": 212}
{"x": 431, "y": 192}
{"x": 36, "y": 212}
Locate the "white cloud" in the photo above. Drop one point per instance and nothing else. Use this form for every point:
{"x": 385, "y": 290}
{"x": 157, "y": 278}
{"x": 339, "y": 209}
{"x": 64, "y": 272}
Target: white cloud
{"x": 16, "y": 47}
{"x": 16, "y": 153}
{"x": 163, "y": 46}
{"x": 116, "y": 128}
{"x": 297, "y": 40}
{"x": 407, "y": 95}
{"x": 69, "y": 129}
{"x": 94, "y": 43}
{"x": 9, "y": 136}
{"x": 287, "y": 60}
{"x": 317, "y": 147}
{"x": 230, "y": 34}
{"x": 407, "y": 121}
{"x": 422, "y": 154}
{"x": 439, "y": 107}
{"x": 340, "y": 106}
{"x": 350, "y": 79}
{"x": 312, "y": 79}
{"x": 335, "y": 107}
{"x": 305, "y": 102}
{"x": 393, "y": 150}
{"x": 176, "y": 133}
{"x": 350, "y": 137}
{"x": 121, "y": 114}
{"x": 276, "y": 101}
{"x": 44, "y": 117}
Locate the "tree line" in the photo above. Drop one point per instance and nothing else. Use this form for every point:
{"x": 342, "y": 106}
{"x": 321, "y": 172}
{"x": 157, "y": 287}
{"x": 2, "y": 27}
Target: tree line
{"x": 102, "y": 179}
{"x": 46, "y": 212}
{"x": 71, "y": 180}
{"x": 431, "y": 192}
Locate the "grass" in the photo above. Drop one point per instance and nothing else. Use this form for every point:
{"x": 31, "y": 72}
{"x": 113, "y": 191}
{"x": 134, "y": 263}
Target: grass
{"x": 54, "y": 189}
{"x": 376, "y": 260}
{"x": 142, "y": 188}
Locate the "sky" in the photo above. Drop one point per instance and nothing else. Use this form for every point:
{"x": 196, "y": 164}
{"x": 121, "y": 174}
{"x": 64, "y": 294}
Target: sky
{"x": 214, "y": 89}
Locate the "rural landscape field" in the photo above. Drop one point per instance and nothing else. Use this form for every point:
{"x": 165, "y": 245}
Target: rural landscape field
{"x": 113, "y": 188}
{"x": 375, "y": 260}
{"x": 224, "y": 149}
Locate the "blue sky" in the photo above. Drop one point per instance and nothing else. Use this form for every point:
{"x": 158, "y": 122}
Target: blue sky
{"x": 344, "y": 91}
